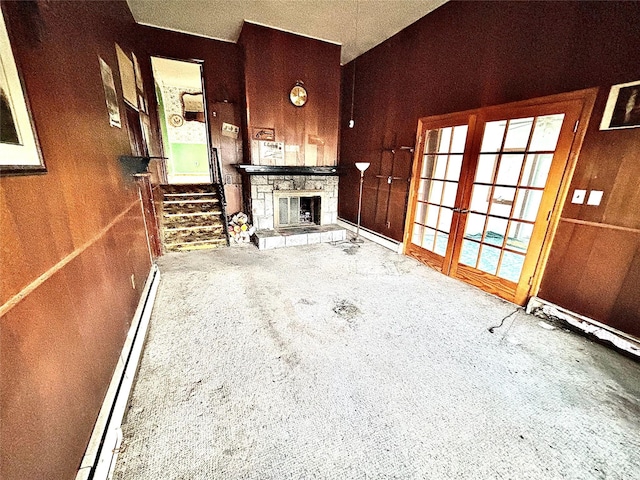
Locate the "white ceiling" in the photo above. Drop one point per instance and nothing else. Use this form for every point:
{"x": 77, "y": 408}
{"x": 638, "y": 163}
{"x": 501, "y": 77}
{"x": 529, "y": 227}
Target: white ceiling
{"x": 177, "y": 73}
{"x": 330, "y": 20}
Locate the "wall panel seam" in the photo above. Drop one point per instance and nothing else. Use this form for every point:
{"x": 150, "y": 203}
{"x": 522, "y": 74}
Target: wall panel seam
{"x": 600, "y": 225}
{"x": 18, "y": 297}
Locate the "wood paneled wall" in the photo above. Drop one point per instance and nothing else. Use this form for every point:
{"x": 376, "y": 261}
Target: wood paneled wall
{"x": 467, "y": 55}
{"x": 594, "y": 265}
{"x": 71, "y": 240}
{"x": 273, "y": 62}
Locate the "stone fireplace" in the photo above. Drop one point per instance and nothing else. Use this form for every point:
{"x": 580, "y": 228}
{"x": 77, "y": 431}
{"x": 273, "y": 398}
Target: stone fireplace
{"x": 279, "y": 201}
{"x": 290, "y": 208}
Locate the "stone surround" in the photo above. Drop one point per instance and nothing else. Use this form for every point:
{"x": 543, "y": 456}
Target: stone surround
{"x": 262, "y": 195}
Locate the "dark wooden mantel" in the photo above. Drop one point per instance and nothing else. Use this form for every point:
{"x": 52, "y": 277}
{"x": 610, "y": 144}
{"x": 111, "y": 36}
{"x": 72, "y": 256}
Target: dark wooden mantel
{"x": 286, "y": 170}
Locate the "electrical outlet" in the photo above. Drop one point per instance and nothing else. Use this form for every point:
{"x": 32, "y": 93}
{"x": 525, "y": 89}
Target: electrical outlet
{"x": 578, "y": 196}
{"x": 595, "y": 197}
{"x": 133, "y": 281}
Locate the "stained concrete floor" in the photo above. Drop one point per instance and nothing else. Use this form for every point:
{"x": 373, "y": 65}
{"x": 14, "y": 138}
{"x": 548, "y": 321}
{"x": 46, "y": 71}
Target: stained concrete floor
{"x": 337, "y": 362}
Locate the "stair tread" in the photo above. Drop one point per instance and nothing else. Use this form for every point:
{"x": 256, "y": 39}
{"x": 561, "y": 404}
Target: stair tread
{"x": 174, "y": 202}
{"x": 197, "y": 227}
{"x": 192, "y": 218}
{"x": 188, "y": 193}
{"x": 198, "y": 242}
{"x": 211, "y": 246}
{"x": 193, "y": 214}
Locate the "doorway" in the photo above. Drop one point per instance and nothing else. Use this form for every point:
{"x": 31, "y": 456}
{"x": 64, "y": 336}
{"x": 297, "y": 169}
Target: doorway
{"x": 487, "y": 190}
{"x": 182, "y": 118}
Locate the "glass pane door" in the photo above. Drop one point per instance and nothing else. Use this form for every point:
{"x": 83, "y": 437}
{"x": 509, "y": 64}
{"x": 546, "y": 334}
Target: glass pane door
{"x": 512, "y": 170}
{"x": 438, "y": 189}
{"x": 486, "y": 187}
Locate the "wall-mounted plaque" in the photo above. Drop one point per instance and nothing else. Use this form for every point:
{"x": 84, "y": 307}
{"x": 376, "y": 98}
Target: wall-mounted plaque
{"x": 271, "y": 153}
{"x": 260, "y": 133}
{"x": 230, "y": 130}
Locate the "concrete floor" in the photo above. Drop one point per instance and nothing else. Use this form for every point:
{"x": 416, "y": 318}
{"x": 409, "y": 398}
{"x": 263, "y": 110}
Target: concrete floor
{"x": 337, "y": 362}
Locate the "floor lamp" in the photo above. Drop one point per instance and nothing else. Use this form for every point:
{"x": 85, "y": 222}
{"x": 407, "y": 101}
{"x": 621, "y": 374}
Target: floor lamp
{"x": 362, "y": 166}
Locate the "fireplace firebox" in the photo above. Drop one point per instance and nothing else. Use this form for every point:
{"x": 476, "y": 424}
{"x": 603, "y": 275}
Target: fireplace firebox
{"x": 296, "y": 210}
{"x": 279, "y": 201}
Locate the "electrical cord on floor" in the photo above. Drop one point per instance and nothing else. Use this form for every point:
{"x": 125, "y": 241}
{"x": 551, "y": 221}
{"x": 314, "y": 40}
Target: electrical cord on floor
{"x": 492, "y": 329}
{"x": 339, "y": 243}
{"x": 346, "y": 241}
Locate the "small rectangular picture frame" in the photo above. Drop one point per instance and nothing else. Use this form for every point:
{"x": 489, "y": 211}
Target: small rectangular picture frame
{"x": 623, "y": 107}
{"x": 19, "y": 148}
{"x": 263, "y": 133}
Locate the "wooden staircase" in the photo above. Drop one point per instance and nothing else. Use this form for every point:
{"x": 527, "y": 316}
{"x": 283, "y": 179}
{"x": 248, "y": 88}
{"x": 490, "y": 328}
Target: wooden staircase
{"x": 193, "y": 218}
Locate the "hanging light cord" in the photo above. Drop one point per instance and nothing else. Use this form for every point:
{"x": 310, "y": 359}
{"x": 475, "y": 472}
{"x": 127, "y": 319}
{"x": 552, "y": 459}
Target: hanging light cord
{"x": 353, "y": 77}
{"x": 353, "y": 91}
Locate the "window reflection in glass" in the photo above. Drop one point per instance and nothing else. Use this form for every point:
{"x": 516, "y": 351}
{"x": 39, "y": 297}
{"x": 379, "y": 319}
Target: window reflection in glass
{"x": 546, "y": 132}
{"x": 518, "y": 134}
{"x": 492, "y": 138}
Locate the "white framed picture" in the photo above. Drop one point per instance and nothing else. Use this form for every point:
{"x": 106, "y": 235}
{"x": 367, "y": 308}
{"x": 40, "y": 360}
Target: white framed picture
{"x": 271, "y": 153}
{"x": 623, "y": 107}
{"x": 19, "y": 148}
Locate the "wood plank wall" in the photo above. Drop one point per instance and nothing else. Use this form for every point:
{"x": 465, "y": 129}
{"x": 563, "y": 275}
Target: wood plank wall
{"x": 71, "y": 240}
{"x": 594, "y": 265}
{"x": 467, "y": 55}
{"x": 273, "y": 62}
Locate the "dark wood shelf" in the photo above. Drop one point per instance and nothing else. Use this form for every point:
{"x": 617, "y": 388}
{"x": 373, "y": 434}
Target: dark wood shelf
{"x": 285, "y": 170}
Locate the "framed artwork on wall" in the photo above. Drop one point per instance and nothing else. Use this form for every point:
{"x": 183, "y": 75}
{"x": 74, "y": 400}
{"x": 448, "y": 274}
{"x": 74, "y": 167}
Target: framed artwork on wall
{"x": 268, "y": 134}
{"x": 127, "y": 78}
{"x": 19, "y": 148}
{"x": 110, "y": 94}
{"x": 623, "y": 107}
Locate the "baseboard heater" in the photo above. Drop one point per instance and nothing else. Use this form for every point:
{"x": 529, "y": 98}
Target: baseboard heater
{"x": 101, "y": 454}
{"x": 624, "y": 343}
{"x": 375, "y": 237}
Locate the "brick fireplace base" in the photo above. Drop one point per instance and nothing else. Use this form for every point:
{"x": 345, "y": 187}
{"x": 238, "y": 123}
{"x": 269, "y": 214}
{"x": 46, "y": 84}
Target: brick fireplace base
{"x": 295, "y": 236}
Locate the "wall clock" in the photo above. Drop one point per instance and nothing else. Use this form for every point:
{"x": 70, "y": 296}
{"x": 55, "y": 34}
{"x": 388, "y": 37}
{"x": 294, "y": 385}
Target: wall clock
{"x": 298, "y": 94}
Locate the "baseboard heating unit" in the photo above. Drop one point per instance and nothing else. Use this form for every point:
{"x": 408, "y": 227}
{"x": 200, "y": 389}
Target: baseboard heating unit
{"x": 622, "y": 342}
{"x": 375, "y": 237}
{"x": 101, "y": 454}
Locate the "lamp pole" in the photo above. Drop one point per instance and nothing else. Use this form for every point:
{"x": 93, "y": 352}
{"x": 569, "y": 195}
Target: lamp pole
{"x": 362, "y": 166}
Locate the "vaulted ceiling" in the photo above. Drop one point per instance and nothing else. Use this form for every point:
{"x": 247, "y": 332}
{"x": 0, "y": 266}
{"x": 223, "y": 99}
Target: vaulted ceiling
{"x": 357, "y": 25}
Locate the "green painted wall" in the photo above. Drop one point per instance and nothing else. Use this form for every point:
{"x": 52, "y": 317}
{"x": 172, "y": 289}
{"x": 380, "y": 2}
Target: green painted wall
{"x": 189, "y": 158}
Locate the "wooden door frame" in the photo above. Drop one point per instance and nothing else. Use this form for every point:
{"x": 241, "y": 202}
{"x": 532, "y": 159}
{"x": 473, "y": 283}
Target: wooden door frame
{"x": 207, "y": 121}
{"x": 586, "y": 98}
{"x": 425, "y": 124}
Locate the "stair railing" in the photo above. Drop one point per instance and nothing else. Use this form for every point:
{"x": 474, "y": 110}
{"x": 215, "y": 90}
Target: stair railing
{"x": 216, "y": 169}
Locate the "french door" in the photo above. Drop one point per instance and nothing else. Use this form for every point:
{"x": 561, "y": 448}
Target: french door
{"x": 485, "y": 187}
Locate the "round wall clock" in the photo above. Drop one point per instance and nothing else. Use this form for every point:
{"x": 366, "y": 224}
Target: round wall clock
{"x": 298, "y": 95}
{"x": 176, "y": 120}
